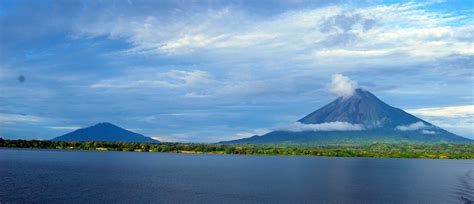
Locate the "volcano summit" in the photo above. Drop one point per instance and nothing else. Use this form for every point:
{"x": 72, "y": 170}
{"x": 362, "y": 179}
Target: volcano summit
{"x": 360, "y": 118}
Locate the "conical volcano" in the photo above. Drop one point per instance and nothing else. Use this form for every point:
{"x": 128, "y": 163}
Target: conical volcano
{"x": 361, "y": 108}
{"x": 105, "y": 132}
{"x": 355, "y": 119}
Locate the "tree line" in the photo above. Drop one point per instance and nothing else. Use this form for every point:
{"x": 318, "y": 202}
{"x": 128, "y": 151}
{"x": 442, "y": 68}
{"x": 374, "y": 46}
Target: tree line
{"x": 386, "y": 150}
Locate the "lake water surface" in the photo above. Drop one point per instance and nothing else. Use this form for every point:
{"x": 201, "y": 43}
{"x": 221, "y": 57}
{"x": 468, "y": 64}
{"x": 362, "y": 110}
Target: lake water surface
{"x": 52, "y": 176}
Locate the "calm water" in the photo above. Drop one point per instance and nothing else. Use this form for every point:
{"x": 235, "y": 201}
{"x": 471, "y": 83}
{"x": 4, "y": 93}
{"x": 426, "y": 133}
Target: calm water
{"x": 49, "y": 176}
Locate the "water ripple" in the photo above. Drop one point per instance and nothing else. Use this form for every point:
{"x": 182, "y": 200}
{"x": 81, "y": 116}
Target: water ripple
{"x": 464, "y": 189}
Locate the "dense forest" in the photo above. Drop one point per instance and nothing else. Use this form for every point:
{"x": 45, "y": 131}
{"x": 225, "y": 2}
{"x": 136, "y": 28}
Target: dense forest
{"x": 401, "y": 150}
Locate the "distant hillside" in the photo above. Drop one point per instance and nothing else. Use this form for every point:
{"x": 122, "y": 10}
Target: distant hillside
{"x": 104, "y": 132}
{"x": 359, "y": 119}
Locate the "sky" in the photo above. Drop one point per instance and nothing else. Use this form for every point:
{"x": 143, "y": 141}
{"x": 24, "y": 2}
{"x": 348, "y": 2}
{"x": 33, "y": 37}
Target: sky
{"x": 208, "y": 71}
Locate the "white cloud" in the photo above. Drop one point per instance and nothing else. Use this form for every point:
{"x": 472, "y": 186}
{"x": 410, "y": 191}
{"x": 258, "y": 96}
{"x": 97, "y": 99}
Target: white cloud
{"x": 64, "y": 127}
{"x": 342, "y": 85}
{"x": 248, "y": 87}
{"x": 458, "y": 119}
{"x": 428, "y": 132}
{"x": 312, "y": 41}
{"x": 190, "y": 43}
{"x": 448, "y": 111}
{"x": 166, "y": 138}
{"x": 159, "y": 138}
{"x": 195, "y": 95}
{"x": 339, "y": 31}
{"x": 352, "y": 53}
{"x": 259, "y": 131}
{"x": 174, "y": 137}
{"x": 154, "y": 79}
{"x": 7, "y": 118}
{"x": 330, "y": 126}
{"x": 463, "y": 126}
{"x": 235, "y": 87}
{"x": 412, "y": 127}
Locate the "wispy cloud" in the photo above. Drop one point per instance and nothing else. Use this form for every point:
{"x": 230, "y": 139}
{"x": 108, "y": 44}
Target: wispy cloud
{"x": 330, "y": 126}
{"x": 6, "y": 118}
{"x": 258, "y": 131}
{"x": 460, "y": 126}
{"x": 336, "y": 31}
{"x": 418, "y": 126}
{"x": 448, "y": 111}
{"x": 458, "y": 119}
{"x": 412, "y": 127}
{"x": 64, "y": 127}
{"x": 156, "y": 79}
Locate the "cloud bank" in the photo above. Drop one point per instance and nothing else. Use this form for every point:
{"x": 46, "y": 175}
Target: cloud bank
{"x": 339, "y": 31}
{"x": 412, "y": 127}
{"x": 342, "y": 85}
{"x": 330, "y": 126}
{"x": 449, "y": 111}
{"x": 457, "y": 119}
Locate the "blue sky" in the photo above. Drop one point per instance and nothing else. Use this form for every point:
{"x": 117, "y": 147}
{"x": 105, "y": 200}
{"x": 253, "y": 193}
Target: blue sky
{"x": 207, "y": 71}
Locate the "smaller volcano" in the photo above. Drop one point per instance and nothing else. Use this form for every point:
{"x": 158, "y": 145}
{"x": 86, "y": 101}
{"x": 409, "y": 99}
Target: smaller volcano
{"x": 105, "y": 132}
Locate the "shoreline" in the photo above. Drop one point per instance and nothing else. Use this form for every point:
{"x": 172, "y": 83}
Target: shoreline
{"x": 419, "y": 151}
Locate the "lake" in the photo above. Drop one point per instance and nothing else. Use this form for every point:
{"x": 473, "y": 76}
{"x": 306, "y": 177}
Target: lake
{"x": 52, "y": 176}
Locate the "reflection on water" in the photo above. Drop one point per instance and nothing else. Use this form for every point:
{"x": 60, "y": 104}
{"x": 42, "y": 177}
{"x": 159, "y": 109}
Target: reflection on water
{"x": 50, "y": 176}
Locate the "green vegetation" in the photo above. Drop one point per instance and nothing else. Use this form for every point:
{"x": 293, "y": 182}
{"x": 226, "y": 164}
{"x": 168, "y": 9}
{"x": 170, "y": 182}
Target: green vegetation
{"x": 401, "y": 150}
